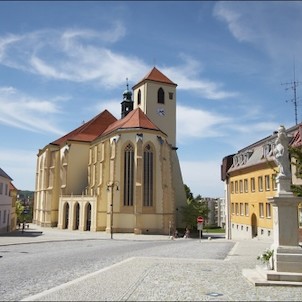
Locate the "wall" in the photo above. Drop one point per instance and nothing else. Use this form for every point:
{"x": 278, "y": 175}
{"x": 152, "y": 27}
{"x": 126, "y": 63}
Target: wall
{"x": 5, "y": 205}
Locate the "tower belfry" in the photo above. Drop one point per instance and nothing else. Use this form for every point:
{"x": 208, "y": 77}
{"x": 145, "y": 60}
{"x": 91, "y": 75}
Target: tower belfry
{"x": 293, "y": 85}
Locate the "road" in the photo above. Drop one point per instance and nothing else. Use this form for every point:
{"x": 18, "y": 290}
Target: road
{"x": 28, "y": 269}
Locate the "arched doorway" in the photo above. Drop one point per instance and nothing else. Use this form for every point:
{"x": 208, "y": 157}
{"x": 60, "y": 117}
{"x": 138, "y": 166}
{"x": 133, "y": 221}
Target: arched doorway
{"x": 66, "y": 215}
{"x": 88, "y": 217}
{"x": 77, "y": 216}
{"x": 254, "y": 225}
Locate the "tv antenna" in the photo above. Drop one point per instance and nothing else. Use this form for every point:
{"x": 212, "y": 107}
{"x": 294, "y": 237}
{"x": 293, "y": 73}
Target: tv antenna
{"x": 293, "y": 85}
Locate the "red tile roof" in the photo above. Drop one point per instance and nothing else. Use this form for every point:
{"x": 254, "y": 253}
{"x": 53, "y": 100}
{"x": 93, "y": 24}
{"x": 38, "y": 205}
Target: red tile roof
{"x": 90, "y": 130}
{"x": 297, "y": 139}
{"x": 105, "y": 122}
{"x": 156, "y": 76}
{"x": 134, "y": 119}
{"x": 12, "y": 187}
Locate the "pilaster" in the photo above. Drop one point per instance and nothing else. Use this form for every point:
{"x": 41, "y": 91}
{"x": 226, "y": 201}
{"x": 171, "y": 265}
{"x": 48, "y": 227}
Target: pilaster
{"x": 138, "y": 203}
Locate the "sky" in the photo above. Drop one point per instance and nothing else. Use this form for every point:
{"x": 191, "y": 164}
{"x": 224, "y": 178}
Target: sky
{"x": 64, "y": 62}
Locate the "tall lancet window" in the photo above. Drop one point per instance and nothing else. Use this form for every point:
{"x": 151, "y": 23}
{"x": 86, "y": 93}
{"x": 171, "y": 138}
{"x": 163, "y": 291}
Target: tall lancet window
{"x": 148, "y": 176}
{"x": 139, "y": 97}
{"x": 128, "y": 175}
{"x": 160, "y": 96}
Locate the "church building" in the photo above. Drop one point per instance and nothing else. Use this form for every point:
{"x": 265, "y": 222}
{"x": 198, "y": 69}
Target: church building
{"x": 116, "y": 175}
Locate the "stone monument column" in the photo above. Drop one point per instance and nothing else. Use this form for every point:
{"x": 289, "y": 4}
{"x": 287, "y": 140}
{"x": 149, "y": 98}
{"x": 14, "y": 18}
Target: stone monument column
{"x": 287, "y": 252}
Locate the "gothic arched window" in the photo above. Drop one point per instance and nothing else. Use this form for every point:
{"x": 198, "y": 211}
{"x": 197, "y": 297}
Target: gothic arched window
{"x": 128, "y": 175}
{"x": 148, "y": 177}
{"x": 160, "y": 96}
{"x": 139, "y": 97}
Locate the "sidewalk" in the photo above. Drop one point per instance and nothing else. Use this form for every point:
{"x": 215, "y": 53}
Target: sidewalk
{"x": 161, "y": 279}
{"x": 36, "y": 234}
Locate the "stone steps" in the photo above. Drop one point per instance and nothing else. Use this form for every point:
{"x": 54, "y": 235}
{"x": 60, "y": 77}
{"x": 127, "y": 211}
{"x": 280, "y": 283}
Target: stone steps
{"x": 261, "y": 277}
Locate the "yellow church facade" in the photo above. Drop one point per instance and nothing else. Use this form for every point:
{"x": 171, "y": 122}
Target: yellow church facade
{"x": 250, "y": 179}
{"x": 116, "y": 175}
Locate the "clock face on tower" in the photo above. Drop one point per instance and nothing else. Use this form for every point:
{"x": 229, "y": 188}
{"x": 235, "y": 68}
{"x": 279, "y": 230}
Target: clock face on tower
{"x": 161, "y": 111}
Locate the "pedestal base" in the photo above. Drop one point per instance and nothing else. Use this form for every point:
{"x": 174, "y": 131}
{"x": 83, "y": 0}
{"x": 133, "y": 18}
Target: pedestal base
{"x": 288, "y": 259}
{"x": 283, "y": 185}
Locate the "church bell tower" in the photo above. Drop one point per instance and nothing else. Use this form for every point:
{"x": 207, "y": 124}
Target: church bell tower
{"x": 155, "y": 94}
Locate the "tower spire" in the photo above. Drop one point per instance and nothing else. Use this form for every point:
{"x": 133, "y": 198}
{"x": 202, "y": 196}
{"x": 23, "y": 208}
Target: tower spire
{"x": 127, "y": 103}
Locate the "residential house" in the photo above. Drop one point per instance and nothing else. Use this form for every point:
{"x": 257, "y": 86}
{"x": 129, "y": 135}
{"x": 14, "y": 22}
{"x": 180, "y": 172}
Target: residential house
{"x": 5, "y": 203}
{"x": 250, "y": 179}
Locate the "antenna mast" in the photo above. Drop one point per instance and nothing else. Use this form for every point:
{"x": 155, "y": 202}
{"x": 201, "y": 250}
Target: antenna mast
{"x": 293, "y": 86}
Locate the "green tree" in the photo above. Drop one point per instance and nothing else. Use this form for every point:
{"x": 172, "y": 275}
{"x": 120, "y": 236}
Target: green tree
{"x": 19, "y": 211}
{"x": 195, "y": 207}
{"x": 189, "y": 194}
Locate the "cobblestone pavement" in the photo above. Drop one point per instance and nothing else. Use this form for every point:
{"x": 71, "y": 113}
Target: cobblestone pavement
{"x": 158, "y": 279}
{"x": 167, "y": 279}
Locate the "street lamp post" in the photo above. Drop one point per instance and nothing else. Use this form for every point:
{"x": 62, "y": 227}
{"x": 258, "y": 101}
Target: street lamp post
{"x": 110, "y": 186}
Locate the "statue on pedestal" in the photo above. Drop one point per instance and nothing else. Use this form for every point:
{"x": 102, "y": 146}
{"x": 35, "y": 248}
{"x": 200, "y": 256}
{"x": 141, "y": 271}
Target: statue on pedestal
{"x": 281, "y": 154}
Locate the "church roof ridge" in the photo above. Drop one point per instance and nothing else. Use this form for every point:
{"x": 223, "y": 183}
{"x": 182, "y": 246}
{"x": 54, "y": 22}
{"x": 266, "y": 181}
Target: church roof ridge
{"x": 134, "y": 119}
{"x": 89, "y": 130}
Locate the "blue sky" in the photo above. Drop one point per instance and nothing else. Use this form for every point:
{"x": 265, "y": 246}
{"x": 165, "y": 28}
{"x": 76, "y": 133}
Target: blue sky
{"x": 62, "y": 63}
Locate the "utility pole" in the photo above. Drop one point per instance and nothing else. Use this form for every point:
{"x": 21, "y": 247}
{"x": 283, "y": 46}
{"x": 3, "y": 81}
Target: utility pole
{"x": 293, "y": 85}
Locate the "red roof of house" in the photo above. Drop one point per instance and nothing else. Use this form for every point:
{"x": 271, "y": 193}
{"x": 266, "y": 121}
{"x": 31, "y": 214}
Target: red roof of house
{"x": 156, "y": 76}
{"x": 90, "y": 130}
{"x": 12, "y": 187}
{"x": 134, "y": 119}
{"x": 297, "y": 139}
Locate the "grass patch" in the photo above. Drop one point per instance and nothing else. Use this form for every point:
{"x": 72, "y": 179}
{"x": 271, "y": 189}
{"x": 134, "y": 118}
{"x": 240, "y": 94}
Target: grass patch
{"x": 214, "y": 230}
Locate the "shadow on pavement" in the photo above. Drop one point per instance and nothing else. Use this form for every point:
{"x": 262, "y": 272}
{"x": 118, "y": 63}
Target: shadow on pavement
{"x": 209, "y": 235}
{"x": 26, "y": 233}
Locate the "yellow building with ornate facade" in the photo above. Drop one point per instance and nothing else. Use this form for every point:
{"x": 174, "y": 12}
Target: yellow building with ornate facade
{"x": 116, "y": 175}
{"x": 250, "y": 179}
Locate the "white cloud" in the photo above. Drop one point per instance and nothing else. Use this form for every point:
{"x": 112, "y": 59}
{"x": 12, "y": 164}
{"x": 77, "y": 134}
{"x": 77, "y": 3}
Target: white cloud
{"x": 82, "y": 55}
{"x": 20, "y": 166}
{"x": 42, "y": 68}
{"x": 255, "y": 127}
{"x": 113, "y": 106}
{"x": 187, "y": 76}
{"x": 236, "y": 20}
{"x": 271, "y": 26}
{"x": 198, "y": 123}
{"x": 203, "y": 177}
{"x": 73, "y": 55}
{"x": 238, "y": 129}
{"x": 111, "y": 35}
{"x": 25, "y": 112}
{"x": 5, "y": 43}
